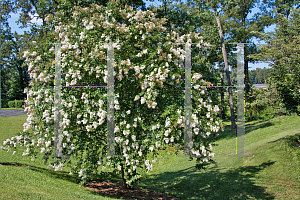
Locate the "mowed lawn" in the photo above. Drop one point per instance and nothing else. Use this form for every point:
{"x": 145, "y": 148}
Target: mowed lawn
{"x": 273, "y": 172}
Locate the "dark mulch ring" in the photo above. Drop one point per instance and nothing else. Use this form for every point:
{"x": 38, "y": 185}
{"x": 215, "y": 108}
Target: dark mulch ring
{"x": 116, "y": 190}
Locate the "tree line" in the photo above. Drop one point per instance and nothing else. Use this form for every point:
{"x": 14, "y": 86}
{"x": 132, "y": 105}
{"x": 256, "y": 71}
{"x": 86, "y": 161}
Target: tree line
{"x": 256, "y": 76}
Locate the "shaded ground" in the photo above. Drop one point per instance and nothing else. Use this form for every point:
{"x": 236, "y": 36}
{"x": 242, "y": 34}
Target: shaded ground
{"x": 106, "y": 188}
{"x": 116, "y": 189}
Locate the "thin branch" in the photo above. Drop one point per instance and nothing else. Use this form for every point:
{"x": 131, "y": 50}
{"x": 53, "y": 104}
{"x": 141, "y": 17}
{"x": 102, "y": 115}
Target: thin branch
{"x": 55, "y": 2}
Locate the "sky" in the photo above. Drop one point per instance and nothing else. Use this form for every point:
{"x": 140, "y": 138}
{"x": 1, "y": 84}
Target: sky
{"x": 156, "y": 3}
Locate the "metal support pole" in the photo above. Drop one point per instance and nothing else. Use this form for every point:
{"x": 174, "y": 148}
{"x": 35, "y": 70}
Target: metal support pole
{"x": 0, "y": 62}
{"x": 240, "y": 132}
{"x": 110, "y": 100}
{"x": 110, "y": 104}
{"x": 188, "y": 143}
{"x": 57, "y": 102}
{"x": 240, "y": 149}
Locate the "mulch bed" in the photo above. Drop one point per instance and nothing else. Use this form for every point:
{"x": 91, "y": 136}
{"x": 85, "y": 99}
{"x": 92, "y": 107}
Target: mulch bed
{"x": 116, "y": 190}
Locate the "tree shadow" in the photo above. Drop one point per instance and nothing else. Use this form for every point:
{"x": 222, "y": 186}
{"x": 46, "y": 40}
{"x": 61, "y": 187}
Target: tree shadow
{"x": 290, "y": 140}
{"x": 257, "y": 125}
{"x": 189, "y": 183}
{"x": 229, "y": 134}
{"x": 231, "y": 184}
{"x": 51, "y": 173}
{"x": 61, "y": 174}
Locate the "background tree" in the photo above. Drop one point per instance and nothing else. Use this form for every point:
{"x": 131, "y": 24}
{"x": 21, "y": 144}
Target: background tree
{"x": 242, "y": 29}
{"x": 8, "y": 51}
{"x": 259, "y": 75}
{"x": 282, "y": 50}
{"x": 215, "y": 7}
{"x": 19, "y": 78}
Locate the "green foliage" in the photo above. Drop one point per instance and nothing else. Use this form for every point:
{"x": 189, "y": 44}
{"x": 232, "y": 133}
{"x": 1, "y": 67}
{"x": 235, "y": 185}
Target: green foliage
{"x": 89, "y": 138}
{"x": 282, "y": 50}
{"x": 226, "y": 100}
{"x": 11, "y": 104}
{"x": 19, "y": 80}
{"x": 185, "y": 18}
{"x": 263, "y": 104}
{"x": 259, "y": 76}
{"x": 14, "y": 74}
{"x": 14, "y": 78}
{"x": 19, "y": 103}
{"x": 15, "y": 104}
{"x": 4, "y": 103}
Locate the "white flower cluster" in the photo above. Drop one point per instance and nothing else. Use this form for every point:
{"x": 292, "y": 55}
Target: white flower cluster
{"x": 148, "y": 165}
{"x": 56, "y": 167}
{"x": 168, "y": 122}
{"x": 196, "y": 77}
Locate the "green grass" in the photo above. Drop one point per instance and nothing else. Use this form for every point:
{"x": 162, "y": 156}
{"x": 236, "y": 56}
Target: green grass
{"x": 22, "y": 178}
{"x": 273, "y": 172}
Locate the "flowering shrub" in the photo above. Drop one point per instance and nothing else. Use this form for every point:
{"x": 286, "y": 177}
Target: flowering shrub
{"x": 145, "y": 74}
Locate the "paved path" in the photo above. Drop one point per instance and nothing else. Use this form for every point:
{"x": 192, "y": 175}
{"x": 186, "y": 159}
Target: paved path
{"x": 12, "y": 112}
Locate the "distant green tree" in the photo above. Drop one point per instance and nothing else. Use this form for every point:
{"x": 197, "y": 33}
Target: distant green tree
{"x": 6, "y": 48}
{"x": 259, "y": 75}
{"x": 252, "y": 75}
{"x": 19, "y": 79}
{"x": 282, "y": 50}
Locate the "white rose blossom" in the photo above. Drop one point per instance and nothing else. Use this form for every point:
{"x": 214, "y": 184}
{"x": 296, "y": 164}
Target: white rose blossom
{"x": 143, "y": 100}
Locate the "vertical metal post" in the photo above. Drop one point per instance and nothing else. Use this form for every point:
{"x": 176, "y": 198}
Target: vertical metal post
{"x": 110, "y": 104}
{"x": 0, "y": 62}
{"x": 188, "y": 143}
{"x": 240, "y": 132}
{"x": 110, "y": 100}
{"x": 57, "y": 102}
{"x": 240, "y": 149}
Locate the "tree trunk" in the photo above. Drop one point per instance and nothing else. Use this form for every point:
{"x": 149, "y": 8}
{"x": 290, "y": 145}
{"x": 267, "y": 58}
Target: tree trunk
{"x": 233, "y": 125}
{"x": 243, "y": 39}
{"x": 126, "y": 186}
{"x": 247, "y": 82}
{"x": 123, "y": 178}
{"x": 222, "y": 92}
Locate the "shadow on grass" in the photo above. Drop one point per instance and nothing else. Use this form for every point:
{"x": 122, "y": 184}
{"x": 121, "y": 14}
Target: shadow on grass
{"x": 291, "y": 143}
{"x": 61, "y": 174}
{"x": 291, "y": 140}
{"x": 229, "y": 134}
{"x": 189, "y": 183}
{"x": 213, "y": 184}
{"x": 48, "y": 172}
{"x": 257, "y": 125}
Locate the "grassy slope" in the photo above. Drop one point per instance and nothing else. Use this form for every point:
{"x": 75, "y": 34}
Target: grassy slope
{"x": 272, "y": 174}
{"x": 33, "y": 180}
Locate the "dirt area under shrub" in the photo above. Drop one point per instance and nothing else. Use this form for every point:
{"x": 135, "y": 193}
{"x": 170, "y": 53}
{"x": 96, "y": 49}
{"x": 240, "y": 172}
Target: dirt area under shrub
{"x": 117, "y": 190}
